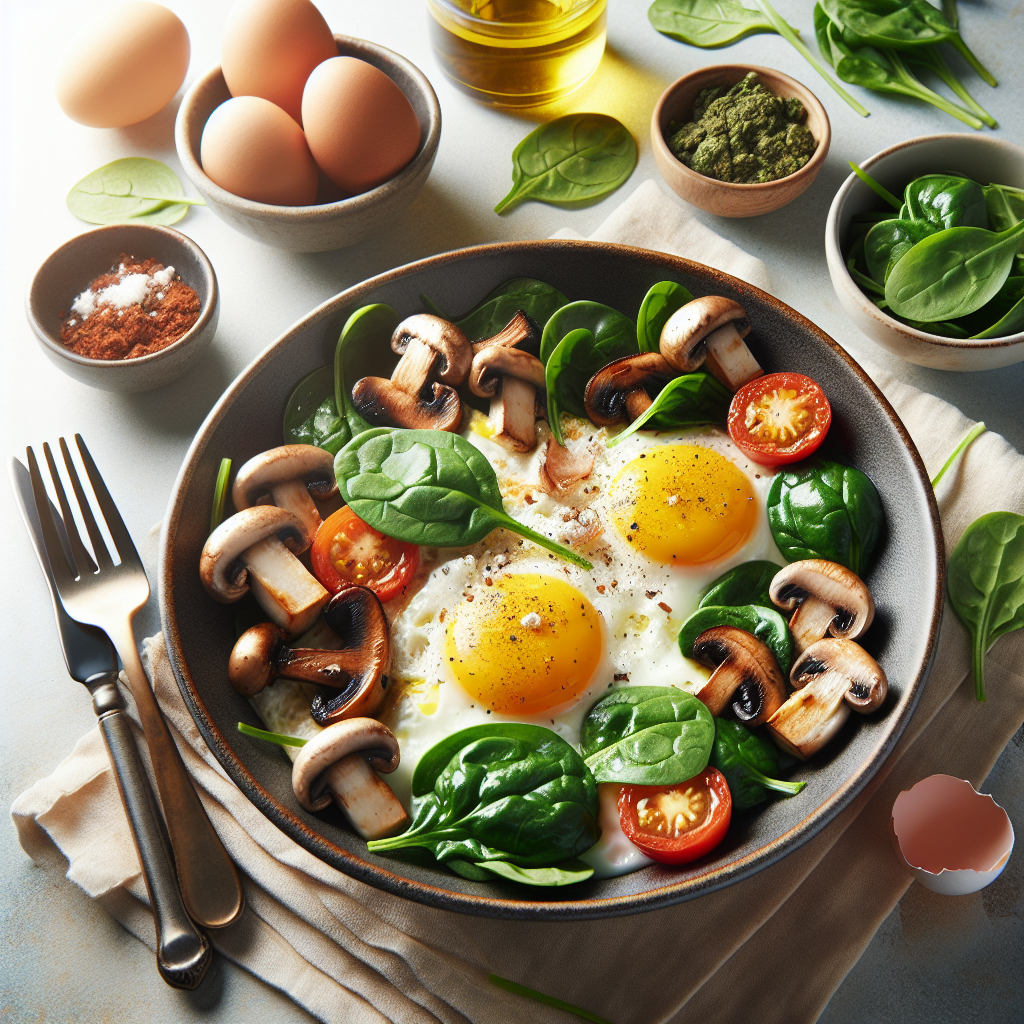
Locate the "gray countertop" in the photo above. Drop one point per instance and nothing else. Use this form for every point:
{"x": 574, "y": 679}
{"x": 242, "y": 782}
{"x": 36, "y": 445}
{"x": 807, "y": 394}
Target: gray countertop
{"x": 62, "y": 958}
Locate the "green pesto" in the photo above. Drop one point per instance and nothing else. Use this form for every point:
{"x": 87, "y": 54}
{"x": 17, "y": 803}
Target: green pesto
{"x": 744, "y": 135}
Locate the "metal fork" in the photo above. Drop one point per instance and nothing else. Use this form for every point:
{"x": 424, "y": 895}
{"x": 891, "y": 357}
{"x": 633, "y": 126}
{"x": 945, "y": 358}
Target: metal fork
{"x": 106, "y": 595}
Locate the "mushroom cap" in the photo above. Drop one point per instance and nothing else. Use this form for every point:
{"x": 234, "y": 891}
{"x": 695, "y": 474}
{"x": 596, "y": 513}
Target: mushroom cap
{"x": 607, "y": 391}
{"x": 493, "y": 362}
{"x": 684, "y": 332}
{"x": 521, "y": 331}
{"x": 455, "y": 353}
{"x": 865, "y": 681}
{"x": 358, "y": 618}
{"x": 832, "y": 584}
{"x": 379, "y": 401}
{"x": 224, "y": 575}
{"x": 250, "y": 667}
{"x": 364, "y": 736}
{"x": 305, "y": 462}
{"x": 746, "y": 674}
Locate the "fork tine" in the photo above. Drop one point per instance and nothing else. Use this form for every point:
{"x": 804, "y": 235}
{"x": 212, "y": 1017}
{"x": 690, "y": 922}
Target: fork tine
{"x": 115, "y": 524}
{"x": 63, "y": 574}
{"x": 99, "y": 545}
{"x": 79, "y": 556}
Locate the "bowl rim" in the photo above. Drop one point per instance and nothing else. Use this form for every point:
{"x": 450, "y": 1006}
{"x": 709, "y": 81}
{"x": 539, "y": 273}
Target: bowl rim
{"x": 834, "y": 248}
{"x": 194, "y": 170}
{"x": 510, "y": 908}
{"x": 206, "y": 313}
{"x": 809, "y": 169}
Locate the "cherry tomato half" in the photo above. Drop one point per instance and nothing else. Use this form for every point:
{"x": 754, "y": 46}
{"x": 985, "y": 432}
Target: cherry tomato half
{"x": 346, "y": 551}
{"x": 677, "y": 824}
{"x": 779, "y": 418}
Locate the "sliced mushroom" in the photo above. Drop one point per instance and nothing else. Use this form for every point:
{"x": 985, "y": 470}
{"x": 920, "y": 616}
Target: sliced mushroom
{"x": 337, "y": 764}
{"x": 436, "y": 358}
{"x": 624, "y": 388}
{"x": 830, "y": 677}
{"x": 711, "y": 330}
{"x": 510, "y": 377}
{"x": 825, "y": 597}
{"x": 746, "y": 675}
{"x": 565, "y": 466}
{"x": 253, "y": 550}
{"x": 287, "y": 477}
{"x": 356, "y": 668}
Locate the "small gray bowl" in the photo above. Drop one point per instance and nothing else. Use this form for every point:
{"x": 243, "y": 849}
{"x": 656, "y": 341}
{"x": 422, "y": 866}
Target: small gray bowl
{"x": 328, "y": 225}
{"x": 70, "y": 269}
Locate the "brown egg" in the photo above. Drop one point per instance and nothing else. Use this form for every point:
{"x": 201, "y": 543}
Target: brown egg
{"x": 255, "y": 150}
{"x": 270, "y": 47}
{"x": 124, "y": 66}
{"x": 359, "y": 124}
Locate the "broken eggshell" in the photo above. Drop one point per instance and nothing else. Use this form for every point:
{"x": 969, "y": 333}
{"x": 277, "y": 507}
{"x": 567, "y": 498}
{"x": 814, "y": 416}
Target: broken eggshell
{"x": 953, "y": 839}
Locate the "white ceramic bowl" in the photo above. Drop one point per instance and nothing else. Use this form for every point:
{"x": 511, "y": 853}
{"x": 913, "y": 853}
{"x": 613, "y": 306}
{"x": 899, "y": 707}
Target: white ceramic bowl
{"x": 986, "y": 159}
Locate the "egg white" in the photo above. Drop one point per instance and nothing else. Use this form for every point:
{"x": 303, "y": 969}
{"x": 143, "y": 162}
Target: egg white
{"x": 641, "y": 603}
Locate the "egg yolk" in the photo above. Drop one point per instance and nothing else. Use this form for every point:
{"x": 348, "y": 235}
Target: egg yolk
{"x": 681, "y": 504}
{"x": 525, "y": 645}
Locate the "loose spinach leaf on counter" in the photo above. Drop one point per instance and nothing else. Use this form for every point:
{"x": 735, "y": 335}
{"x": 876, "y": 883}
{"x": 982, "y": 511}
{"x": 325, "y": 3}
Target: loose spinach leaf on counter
{"x": 647, "y": 735}
{"x": 687, "y": 401}
{"x": 660, "y": 302}
{"x": 952, "y": 273}
{"x": 566, "y": 376}
{"x": 536, "y": 299}
{"x": 986, "y": 584}
{"x": 748, "y": 763}
{"x": 614, "y": 332}
{"x": 763, "y": 621}
{"x": 428, "y": 487}
{"x": 748, "y": 583}
{"x": 822, "y": 509}
{"x": 572, "y": 159}
{"x": 511, "y": 793}
{"x": 132, "y": 189}
{"x": 706, "y": 23}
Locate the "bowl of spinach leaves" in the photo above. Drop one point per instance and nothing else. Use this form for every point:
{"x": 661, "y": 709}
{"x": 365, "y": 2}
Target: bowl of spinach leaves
{"x": 925, "y": 248}
{"x": 903, "y": 564}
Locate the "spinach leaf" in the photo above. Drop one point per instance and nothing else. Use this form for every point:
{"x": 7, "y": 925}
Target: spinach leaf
{"x": 687, "y": 401}
{"x": 368, "y": 329}
{"x": 889, "y": 240}
{"x": 569, "y": 873}
{"x": 946, "y": 200}
{"x": 1010, "y": 323}
{"x": 746, "y": 584}
{"x": 565, "y": 377}
{"x": 660, "y": 302}
{"x": 572, "y": 159}
{"x": 747, "y": 761}
{"x": 536, "y": 299}
{"x": 995, "y": 313}
{"x": 428, "y": 487}
{"x": 986, "y": 584}
{"x": 519, "y": 795}
{"x": 825, "y": 510}
{"x": 706, "y": 23}
{"x": 614, "y": 332}
{"x": 648, "y": 735}
{"x": 952, "y": 273}
{"x": 931, "y": 58}
{"x": 1005, "y": 206}
{"x": 763, "y": 621}
{"x": 311, "y": 415}
{"x": 132, "y": 189}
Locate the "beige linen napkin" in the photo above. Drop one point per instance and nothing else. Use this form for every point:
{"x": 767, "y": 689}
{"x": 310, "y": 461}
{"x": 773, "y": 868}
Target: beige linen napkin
{"x": 773, "y": 947}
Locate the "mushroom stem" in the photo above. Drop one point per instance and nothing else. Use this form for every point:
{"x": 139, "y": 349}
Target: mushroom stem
{"x": 637, "y": 403}
{"x": 728, "y": 358}
{"x": 512, "y": 415}
{"x": 810, "y": 622}
{"x": 294, "y": 496}
{"x": 415, "y": 367}
{"x": 367, "y": 800}
{"x": 282, "y": 585}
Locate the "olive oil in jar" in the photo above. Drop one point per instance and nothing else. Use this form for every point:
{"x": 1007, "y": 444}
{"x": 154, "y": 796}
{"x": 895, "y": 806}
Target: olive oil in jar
{"x": 518, "y": 53}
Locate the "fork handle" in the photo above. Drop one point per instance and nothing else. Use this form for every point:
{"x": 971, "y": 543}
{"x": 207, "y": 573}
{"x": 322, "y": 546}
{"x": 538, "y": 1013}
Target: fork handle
{"x": 183, "y": 953}
{"x": 208, "y": 880}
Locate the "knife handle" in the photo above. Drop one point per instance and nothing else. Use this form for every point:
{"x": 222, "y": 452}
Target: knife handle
{"x": 183, "y": 953}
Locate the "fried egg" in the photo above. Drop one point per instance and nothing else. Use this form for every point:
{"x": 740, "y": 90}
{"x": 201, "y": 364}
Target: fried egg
{"x": 505, "y": 631}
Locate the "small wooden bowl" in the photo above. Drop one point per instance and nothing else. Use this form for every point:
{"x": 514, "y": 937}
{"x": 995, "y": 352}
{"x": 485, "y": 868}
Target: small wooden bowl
{"x": 724, "y": 198}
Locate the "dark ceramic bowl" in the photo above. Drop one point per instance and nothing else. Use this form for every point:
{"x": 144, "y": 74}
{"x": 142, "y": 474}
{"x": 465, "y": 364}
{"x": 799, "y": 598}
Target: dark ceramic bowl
{"x": 906, "y": 581}
{"x": 334, "y": 223}
{"x": 69, "y": 270}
